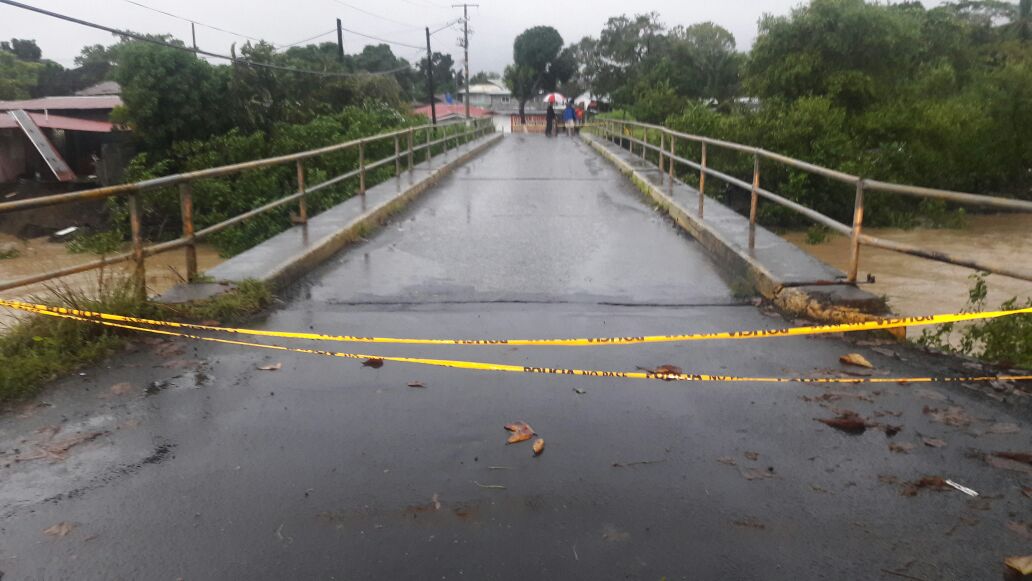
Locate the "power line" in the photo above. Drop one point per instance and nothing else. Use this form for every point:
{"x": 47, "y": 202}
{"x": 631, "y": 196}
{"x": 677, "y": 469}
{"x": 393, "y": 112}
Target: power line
{"x": 142, "y": 38}
{"x": 373, "y": 14}
{"x": 369, "y": 36}
{"x": 309, "y": 39}
{"x": 191, "y": 21}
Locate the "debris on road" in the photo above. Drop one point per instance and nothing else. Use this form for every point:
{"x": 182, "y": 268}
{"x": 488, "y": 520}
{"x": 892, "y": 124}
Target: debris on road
{"x": 121, "y": 388}
{"x": 270, "y": 367}
{"x": 754, "y": 456}
{"x": 934, "y": 442}
{"x": 954, "y": 416}
{"x": 539, "y": 446}
{"x": 758, "y": 474}
{"x": 59, "y": 530}
{"x": 374, "y": 362}
{"x": 1014, "y": 461}
{"x": 930, "y": 482}
{"x": 857, "y": 360}
{"x": 723, "y": 460}
{"x": 901, "y": 447}
{"x": 417, "y": 384}
{"x": 490, "y": 486}
{"x": 521, "y": 431}
{"x": 644, "y": 462}
{"x": 579, "y": 391}
{"x": 664, "y": 370}
{"x": 962, "y": 488}
{"x": 847, "y": 421}
{"x": 749, "y": 522}
{"x": 1018, "y": 566}
{"x": 1003, "y": 428}
{"x": 1022, "y": 529}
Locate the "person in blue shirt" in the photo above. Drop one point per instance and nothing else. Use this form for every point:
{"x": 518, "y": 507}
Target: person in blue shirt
{"x": 570, "y": 118}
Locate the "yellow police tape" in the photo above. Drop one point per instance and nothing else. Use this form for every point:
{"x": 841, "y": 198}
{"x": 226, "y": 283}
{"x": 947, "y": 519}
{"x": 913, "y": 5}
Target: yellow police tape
{"x": 887, "y": 323}
{"x": 474, "y": 365}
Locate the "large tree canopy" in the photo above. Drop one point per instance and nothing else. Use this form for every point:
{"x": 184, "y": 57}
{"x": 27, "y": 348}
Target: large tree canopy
{"x": 539, "y": 64}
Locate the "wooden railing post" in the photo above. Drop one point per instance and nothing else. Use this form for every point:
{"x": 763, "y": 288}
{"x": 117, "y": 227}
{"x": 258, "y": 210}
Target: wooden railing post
{"x": 397, "y": 156}
{"x": 662, "y": 150}
{"x": 754, "y": 200}
{"x": 671, "y": 161}
{"x": 702, "y": 181}
{"x": 186, "y": 209}
{"x": 361, "y": 167}
{"x": 411, "y": 166}
{"x": 429, "y": 139}
{"x": 302, "y": 203}
{"x": 854, "y": 238}
{"x": 136, "y": 227}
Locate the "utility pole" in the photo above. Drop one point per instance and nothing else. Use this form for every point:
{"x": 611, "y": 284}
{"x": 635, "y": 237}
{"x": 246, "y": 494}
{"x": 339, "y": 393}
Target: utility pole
{"x": 430, "y": 78}
{"x": 340, "y": 41}
{"x": 193, "y": 33}
{"x": 465, "y": 47}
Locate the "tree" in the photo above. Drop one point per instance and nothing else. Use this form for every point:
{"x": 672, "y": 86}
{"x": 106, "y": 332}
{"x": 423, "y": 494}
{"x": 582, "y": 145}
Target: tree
{"x": 538, "y": 64}
{"x": 444, "y": 76}
{"x": 17, "y": 77}
{"x": 484, "y": 77}
{"x": 23, "y": 49}
{"x": 709, "y": 63}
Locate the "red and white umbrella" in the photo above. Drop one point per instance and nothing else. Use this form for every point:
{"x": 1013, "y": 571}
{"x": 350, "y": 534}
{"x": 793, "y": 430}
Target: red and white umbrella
{"x": 555, "y": 99}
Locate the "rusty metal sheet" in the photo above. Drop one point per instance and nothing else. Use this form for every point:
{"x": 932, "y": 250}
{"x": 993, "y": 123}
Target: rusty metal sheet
{"x": 39, "y": 140}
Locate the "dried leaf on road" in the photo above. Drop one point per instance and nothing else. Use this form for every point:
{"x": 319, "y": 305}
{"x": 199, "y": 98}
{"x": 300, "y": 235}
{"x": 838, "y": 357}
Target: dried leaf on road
{"x": 1005, "y": 463}
{"x": 727, "y": 460}
{"x": 521, "y": 431}
{"x": 934, "y": 442}
{"x": 752, "y": 456}
{"x": 847, "y": 421}
{"x": 954, "y": 416}
{"x": 121, "y": 388}
{"x": 856, "y": 359}
{"x": 1004, "y": 428}
{"x": 1027, "y": 491}
{"x": 1023, "y": 457}
{"x": 416, "y": 384}
{"x": 901, "y": 447}
{"x": 539, "y": 446}
{"x": 61, "y": 529}
{"x": 60, "y": 447}
{"x": 374, "y": 362}
{"x": 1022, "y": 565}
{"x": 664, "y": 370}
{"x": 1023, "y": 529}
{"x": 929, "y": 482}
{"x": 758, "y": 474}
{"x": 579, "y": 391}
{"x": 270, "y": 367}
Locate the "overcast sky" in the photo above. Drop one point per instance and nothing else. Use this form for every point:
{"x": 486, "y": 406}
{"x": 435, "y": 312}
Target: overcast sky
{"x": 495, "y": 22}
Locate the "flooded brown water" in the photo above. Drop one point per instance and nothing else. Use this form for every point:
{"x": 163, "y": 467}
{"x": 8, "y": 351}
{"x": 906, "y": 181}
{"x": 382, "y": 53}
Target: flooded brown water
{"x": 916, "y": 286}
{"x": 40, "y": 255}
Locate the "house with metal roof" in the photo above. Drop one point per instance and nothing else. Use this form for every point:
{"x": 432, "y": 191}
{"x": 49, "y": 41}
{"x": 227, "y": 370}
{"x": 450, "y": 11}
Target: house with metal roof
{"x": 58, "y": 139}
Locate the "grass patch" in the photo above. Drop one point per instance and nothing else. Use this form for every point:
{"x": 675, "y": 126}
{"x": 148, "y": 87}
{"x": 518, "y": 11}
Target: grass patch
{"x": 39, "y": 348}
{"x": 817, "y": 234}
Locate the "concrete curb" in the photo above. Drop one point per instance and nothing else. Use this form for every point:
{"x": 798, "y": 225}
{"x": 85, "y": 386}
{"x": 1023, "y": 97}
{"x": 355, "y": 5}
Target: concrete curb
{"x": 818, "y": 301}
{"x": 310, "y": 254}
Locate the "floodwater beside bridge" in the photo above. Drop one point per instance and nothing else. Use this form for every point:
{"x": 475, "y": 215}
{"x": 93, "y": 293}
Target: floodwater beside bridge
{"x": 917, "y": 286}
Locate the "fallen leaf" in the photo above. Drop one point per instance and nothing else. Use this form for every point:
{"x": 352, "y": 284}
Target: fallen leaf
{"x": 890, "y": 430}
{"x": 1022, "y": 565}
{"x": 416, "y": 384}
{"x": 374, "y": 362}
{"x": 1003, "y": 428}
{"x": 727, "y": 460}
{"x": 579, "y": 391}
{"x": 1027, "y": 491}
{"x": 901, "y": 447}
{"x": 1008, "y": 464}
{"x": 539, "y": 446}
{"x": 934, "y": 442}
{"x": 521, "y": 431}
{"x": 1023, "y": 529}
{"x": 270, "y": 367}
{"x": 847, "y": 421}
{"x": 664, "y": 370}
{"x": 857, "y": 360}
{"x": 1016, "y": 456}
{"x": 61, "y": 529}
{"x": 121, "y": 388}
{"x": 952, "y": 416}
{"x": 751, "y": 456}
{"x": 757, "y": 473}
{"x": 929, "y": 482}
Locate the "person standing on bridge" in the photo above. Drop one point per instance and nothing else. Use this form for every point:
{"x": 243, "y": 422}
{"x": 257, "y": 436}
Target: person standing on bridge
{"x": 569, "y": 118}
{"x": 549, "y": 120}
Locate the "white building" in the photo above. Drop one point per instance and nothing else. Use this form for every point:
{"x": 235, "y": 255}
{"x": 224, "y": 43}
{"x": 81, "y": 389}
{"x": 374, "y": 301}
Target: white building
{"x": 492, "y": 95}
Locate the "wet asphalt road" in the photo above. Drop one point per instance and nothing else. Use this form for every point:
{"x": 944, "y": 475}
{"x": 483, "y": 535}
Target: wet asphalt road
{"x": 208, "y": 468}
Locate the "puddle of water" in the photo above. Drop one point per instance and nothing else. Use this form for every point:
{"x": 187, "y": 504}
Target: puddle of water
{"x": 41, "y": 255}
{"x": 916, "y": 286}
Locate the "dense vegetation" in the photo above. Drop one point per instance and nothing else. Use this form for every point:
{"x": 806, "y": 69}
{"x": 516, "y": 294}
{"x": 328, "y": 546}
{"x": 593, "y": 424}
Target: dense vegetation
{"x": 939, "y": 97}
